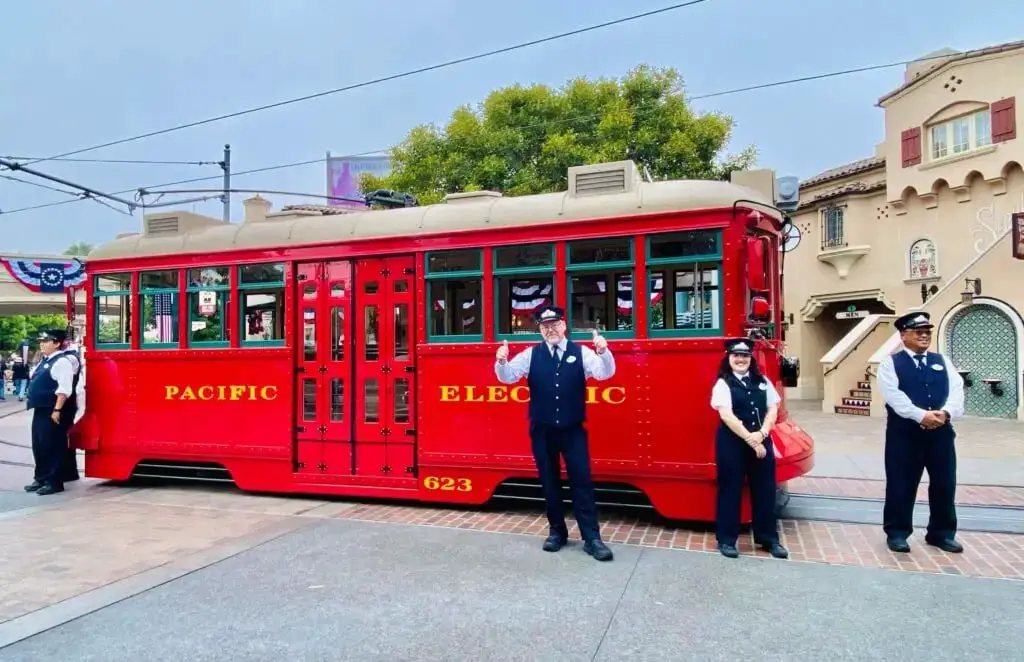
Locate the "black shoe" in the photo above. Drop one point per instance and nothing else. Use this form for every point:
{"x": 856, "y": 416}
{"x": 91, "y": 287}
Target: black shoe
{"x": 899, "y": 545}
{"x": 48, "y": 489}
{"x": 554, "y": 543}
{"x": 947, "y": 545}
{"x": 729, "y": 551}
{"x": 598, "y": 550}
{"x": 33, "y": 487}
{"x": 776, "y": 550}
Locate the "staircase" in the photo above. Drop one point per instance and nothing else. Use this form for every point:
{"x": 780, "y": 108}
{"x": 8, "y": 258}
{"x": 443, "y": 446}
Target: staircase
{"x": 859, "y": 401}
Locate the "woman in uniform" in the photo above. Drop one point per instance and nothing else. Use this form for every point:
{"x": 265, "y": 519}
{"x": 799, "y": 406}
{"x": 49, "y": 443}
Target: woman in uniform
{"x": 747, "y": 404}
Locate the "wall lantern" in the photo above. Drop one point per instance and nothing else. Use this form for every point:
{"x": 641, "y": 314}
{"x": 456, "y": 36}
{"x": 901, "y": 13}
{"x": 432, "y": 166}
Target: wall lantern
{"x": 967, "y": 296}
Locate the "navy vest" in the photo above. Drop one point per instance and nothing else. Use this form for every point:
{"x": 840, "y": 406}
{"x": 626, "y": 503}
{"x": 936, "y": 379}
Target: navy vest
{"x": 748, "y": 404}
{"x": 927, "y": 387}
{"x": 42, "y": 388}
{"x": 558, "y": 389}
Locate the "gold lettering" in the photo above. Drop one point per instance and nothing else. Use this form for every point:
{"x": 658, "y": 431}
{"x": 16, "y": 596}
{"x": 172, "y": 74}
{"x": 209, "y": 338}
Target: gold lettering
{"x": 612, "y": 395}
{"x": 225, "y": 392}
{"x": 606, "y": 395}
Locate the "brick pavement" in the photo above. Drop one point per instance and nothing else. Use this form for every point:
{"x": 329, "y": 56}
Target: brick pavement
{"x": 985, "y": 555}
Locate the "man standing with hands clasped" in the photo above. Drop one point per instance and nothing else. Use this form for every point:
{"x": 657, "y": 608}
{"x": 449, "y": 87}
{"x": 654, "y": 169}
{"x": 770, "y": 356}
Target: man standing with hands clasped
{"x": 556, "y": 370}
{"x": 923, "y": 392}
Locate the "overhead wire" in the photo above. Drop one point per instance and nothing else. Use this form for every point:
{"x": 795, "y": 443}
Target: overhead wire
{"x": 384, "y": 79}
{"x": 37, "y": 159}
{"x": 710, "y": 95}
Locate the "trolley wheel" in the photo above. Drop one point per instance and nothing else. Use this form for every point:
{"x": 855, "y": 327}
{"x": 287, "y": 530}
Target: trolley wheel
{"x": 781, "y": 499}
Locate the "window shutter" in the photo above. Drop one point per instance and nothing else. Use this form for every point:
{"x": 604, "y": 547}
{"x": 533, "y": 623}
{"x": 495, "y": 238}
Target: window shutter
{"x": 1004, "y": 120}
{"x": 910, "y": 143}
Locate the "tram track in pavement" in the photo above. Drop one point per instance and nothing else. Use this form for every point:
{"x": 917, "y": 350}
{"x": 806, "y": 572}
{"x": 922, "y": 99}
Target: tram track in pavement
{"x": 799, "y": 506}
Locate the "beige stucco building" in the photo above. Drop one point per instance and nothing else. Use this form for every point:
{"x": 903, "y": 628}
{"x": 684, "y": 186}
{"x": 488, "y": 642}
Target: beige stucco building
{"x": 915, "y": 226}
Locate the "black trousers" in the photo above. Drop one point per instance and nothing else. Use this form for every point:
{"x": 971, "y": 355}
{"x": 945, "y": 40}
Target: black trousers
{"x": 50, "y": 446}
{"x": 909, "y": 450}
{"x": 570, "y": 443}
{"x": 736, "y": 461}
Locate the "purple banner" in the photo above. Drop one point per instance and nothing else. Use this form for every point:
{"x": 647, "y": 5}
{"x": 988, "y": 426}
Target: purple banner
{"x": 344, "y": 173}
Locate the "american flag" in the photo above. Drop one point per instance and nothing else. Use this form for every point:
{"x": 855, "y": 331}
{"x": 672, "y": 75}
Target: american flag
{"x": 163, "y": 307}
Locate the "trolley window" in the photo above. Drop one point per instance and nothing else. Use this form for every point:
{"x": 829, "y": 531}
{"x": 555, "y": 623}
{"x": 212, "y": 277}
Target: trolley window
{"x": 454, "y": 295}
{"x": 685, "y": 275}
{"x": 524, "y": 282}
{"x": 601, "y": 288}
{"x": 158, "y": 292}
{"x": 261, "y": 295}
{"x": 209, "y": 291}
{"x": 112, "y": 294}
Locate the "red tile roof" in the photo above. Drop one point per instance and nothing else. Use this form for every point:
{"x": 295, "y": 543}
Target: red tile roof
{"x": 944, "y": 60}
{"x": 839, "y": 191}
{"x": 864, "y": 165}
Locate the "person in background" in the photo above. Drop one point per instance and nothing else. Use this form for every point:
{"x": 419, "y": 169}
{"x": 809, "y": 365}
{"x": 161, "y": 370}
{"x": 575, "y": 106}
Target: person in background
{"x": 923, "y": 393}
{"x": 52, "y": 397}
{"x": 5, "y": 376}
{"x": 747, "y": 404}
{"x": 20, "y": 374}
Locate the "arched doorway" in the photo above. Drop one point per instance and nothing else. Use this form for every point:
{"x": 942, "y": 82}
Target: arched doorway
{"x": 983, "y": 340}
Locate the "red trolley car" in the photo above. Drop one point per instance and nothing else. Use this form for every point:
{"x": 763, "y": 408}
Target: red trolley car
{"x": 353, "y": 353}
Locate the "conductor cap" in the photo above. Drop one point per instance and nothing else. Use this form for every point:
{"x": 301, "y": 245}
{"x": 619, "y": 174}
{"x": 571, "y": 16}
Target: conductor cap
{"x": 739, "y": 346}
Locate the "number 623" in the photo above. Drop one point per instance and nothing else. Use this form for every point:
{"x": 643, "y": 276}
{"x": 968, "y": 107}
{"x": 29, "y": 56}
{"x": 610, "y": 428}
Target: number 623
{"x": 446, "y": 484}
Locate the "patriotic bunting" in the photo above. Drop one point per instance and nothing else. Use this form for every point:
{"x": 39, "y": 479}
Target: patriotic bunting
{"x": 45, "y": 277}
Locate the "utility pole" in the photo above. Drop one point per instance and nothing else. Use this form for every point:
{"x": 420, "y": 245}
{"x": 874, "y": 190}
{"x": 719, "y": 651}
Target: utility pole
{"x": 226, "y": 198}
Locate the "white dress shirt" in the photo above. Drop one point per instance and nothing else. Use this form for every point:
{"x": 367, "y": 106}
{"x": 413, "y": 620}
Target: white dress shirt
{"x": 598, "y": 366}
{"x": 721, "y": 396}
{"x": 901, "y": 404}
{"x": 63, "y": 372}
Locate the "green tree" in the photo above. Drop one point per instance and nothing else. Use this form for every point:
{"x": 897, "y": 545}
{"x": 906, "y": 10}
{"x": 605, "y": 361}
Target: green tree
{"x": 79, "y": 249}
{"x": 522, "y": 140}
{"x": 15, "y": 328}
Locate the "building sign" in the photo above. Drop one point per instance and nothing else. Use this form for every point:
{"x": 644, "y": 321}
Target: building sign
{"x": 851, "y": 313}
{"x": 1018, "y": 235}
{"x": 344, "y": 173}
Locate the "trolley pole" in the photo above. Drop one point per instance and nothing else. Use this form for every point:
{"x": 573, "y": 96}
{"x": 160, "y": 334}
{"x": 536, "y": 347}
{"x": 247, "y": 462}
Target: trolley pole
{"x": 226, "y": 198}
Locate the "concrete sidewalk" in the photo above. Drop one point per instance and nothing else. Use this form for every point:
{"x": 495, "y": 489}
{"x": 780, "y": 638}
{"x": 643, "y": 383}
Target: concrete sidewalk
{"x": 335, "y": 590}
{"x": 989, "y": 451}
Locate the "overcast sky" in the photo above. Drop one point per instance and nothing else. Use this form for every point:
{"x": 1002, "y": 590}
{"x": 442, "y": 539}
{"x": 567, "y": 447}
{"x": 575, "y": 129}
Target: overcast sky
{"x": 76, "y": 74}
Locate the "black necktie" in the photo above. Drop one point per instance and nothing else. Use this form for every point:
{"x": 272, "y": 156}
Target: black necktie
{"x": 745, "y": 381}
{"x": 920, "y": 361}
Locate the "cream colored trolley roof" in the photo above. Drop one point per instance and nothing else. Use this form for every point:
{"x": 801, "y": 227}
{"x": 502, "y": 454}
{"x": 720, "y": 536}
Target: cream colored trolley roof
{"x": 596, "y": 191}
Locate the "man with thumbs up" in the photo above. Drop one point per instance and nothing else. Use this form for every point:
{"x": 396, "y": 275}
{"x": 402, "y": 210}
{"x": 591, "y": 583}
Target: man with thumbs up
{"x": 556, "y": 371}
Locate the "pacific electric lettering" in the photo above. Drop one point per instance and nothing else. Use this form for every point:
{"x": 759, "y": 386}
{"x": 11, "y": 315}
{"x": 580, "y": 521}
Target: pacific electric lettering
{"x": 232, "y": 392}
{"x": 612, "y": 395}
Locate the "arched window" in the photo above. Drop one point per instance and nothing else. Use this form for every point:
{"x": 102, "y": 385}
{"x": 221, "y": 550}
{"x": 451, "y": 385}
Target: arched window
{"x": 923, "y": 260}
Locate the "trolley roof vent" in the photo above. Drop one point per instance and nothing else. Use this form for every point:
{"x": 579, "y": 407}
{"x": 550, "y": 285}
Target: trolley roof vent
{"x": 162, "y": 225}
{"x": 602, "y": 178}
{"x": 471, "y": 196}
